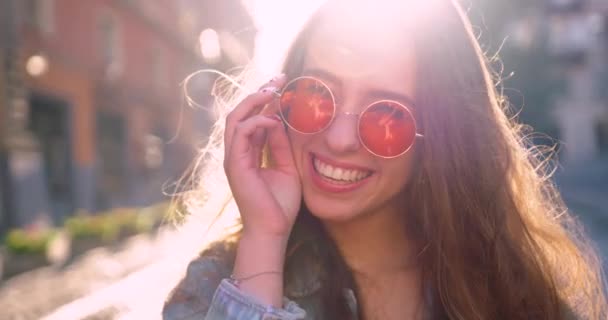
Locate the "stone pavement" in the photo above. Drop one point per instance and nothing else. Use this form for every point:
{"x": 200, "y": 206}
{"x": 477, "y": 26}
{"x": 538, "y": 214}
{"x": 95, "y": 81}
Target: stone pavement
{"x": 33, "y": 294}
{"x": 137, "y": 296}
{"x": 105, "y": 283}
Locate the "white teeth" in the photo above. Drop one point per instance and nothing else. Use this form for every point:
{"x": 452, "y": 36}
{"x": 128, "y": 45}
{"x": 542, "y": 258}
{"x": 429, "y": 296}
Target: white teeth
{"x": 348, "y": 175}
{"x": 351, "y": 175}
{"x": 339, "y": 174}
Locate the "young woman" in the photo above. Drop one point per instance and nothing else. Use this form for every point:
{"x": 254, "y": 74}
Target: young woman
{"x": 380, "y": 178}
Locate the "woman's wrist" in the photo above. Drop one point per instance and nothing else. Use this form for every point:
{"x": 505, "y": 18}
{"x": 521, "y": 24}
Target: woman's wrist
{"x": 262, "y": 255}
{"x": 254, "y": 235}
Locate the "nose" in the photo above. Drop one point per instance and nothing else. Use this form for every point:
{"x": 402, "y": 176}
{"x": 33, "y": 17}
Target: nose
{"x": 341, "y": 136}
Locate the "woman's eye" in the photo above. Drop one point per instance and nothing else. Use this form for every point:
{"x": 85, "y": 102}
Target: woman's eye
{"x": 319, "y": 91}
{"x": 387, "y": 109}
{"x": 313, "y": 88}
{"x": 384, "y": 108}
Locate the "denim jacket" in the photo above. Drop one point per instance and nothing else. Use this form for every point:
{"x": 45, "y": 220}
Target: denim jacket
{"x": 207, "y": 293}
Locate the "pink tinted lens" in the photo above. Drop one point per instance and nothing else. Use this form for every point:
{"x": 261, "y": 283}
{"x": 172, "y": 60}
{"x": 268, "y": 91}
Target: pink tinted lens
{"x": 387, "y": 129}
{"x": 307, "y": 105}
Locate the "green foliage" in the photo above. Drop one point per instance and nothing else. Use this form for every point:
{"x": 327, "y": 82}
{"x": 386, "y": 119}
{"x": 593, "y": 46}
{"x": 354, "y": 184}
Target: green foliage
{"x": 170, "y": 212}
{"x": 108, "y": 226}
{"x": 104, "y": 226}
{"x": 92, "y": 226}
{"x": 34, "y": 241}
{"x": 153, "y": 216}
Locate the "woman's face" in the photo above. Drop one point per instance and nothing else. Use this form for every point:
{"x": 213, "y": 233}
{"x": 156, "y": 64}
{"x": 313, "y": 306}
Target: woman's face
{"x": 359, "y": 70}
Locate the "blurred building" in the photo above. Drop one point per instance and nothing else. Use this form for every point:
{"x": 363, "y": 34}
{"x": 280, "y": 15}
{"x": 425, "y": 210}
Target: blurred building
{"x": 568, "y": 40}
{"x": 578, "y": 40}
{"x": 91, "y": 110}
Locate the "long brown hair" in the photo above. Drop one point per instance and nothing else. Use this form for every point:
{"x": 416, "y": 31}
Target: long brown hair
{"x": 497, "y": 240}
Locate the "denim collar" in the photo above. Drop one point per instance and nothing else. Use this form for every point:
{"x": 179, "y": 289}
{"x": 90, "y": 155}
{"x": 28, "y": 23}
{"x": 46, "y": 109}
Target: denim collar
{"x": 304, "y": 277}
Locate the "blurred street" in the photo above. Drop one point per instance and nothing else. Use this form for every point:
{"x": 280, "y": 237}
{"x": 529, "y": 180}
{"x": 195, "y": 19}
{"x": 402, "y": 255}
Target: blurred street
{"x": 37, "y": 293}
{"x": 586, "y": 195}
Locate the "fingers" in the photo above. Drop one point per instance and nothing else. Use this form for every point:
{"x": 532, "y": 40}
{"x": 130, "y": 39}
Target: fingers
{"x": 271, "y": 108}
{"x": 251, "y": 105}
{"x": 244, "y": 133}
{"x": 244, "y": 110}
{"x": 280, "y": 148}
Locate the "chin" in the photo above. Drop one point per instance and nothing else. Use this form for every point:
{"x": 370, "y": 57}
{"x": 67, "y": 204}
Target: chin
{"x": 332, "y": 212}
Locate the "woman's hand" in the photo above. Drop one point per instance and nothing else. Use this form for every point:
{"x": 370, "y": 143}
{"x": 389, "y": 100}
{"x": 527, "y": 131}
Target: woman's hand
{"x": 268, "y": 198}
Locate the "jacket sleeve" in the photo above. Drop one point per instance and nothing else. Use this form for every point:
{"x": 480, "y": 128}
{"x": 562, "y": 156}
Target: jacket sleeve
{"x": 205, "y": 293}
{"x": 230, "y": 303}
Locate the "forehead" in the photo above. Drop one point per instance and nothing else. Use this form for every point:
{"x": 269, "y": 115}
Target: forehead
{"x": 369, "y": 51}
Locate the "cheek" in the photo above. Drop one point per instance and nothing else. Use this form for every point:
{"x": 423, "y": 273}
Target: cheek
{"x": 400, "y": 171}
{"x": 298, "y": 143}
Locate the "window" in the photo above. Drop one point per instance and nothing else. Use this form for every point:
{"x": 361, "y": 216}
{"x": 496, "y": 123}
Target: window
{"x": 49, "y": 122}
{"x": 112, "y": 148}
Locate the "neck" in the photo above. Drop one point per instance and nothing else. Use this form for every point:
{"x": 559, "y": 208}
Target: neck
{"x": 382, "y": 259}
{"x": 374, "y": 243}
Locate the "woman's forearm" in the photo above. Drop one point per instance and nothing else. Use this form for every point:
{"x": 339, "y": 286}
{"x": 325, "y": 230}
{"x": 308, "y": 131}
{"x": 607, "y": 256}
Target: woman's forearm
{"x": 261, "y": 256}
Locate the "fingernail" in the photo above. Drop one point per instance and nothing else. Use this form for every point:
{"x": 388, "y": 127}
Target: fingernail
{"x": 270, "y": 89}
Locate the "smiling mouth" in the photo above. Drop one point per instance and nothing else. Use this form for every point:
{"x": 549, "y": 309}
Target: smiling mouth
{"x": 337, "y": 175}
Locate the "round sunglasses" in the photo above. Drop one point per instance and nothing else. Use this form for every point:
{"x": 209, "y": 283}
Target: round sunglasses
{"x": 386, "y": 128}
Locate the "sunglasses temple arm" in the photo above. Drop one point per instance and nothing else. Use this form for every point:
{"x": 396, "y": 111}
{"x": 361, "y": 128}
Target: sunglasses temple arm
{"x": 276, "y": 93}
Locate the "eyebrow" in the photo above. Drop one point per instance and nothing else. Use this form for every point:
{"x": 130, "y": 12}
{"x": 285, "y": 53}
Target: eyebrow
{"x": 376, "y": 93}
{"x": 326, "y": 75}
